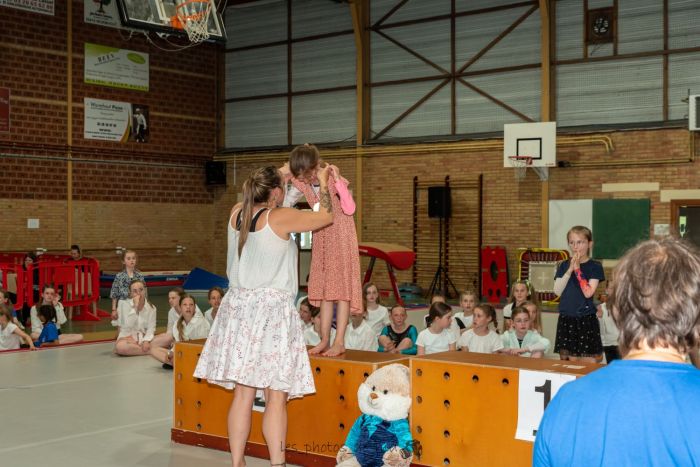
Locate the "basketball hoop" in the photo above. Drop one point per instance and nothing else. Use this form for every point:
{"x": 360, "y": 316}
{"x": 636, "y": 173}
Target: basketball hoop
{"x": 193, "y": 17}
{"x": 520, "y": 164}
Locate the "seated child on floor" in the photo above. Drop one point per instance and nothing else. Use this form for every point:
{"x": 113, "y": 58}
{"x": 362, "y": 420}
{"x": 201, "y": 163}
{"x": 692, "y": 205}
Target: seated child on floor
{"x": 521, "y": 291}
{"x": 137, "y": 322}
{"x": 481, "y": 338}
{"x": 48, "y": 297}
{"x": 398, "y": 336}
{"x": 359, "y": 335}
{"x": 10, "y": 334}
{"x": 462, "y": 320}
{"x": 437, "y": 337}
{"x": 5, "y": 300}
{"x": 49, "y": 332}
{"x": 214, "y": 297}
{"x": 305, "y": 313}
{"x": 165, "y": 340}
{"x": 312, "y": 335}
{"x": 189, "y": 326}
{"x": 521, "y": 339}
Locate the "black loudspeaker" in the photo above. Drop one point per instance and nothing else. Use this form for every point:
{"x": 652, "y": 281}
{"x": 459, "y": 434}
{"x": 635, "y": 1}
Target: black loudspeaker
{"x": 215, "y": 172}
{"x": 439, "y": 201}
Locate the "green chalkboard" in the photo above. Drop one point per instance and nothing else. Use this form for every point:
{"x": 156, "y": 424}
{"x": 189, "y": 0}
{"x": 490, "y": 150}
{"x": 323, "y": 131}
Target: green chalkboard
{"x": 619, "y": 224}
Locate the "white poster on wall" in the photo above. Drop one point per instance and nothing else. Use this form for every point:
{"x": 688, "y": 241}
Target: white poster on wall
{"x": 45, "y": 7}
{"x": 107, "y": 120}
{"x": 117, "y": 68}
{"x": 101, "y": 12}
{"x": 564, "y": 214}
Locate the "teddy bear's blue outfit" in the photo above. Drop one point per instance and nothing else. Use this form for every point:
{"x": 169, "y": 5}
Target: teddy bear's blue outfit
{"x": 371, "y": 436}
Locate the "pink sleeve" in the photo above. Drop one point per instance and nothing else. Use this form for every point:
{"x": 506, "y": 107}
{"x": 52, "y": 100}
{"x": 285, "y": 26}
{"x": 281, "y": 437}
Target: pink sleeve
{"x": 347, "y": 204}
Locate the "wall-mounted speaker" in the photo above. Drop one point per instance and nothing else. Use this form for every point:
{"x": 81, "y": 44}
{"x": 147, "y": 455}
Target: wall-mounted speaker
{"x": 215, "y": 172}
{"x": 439, "y": 202}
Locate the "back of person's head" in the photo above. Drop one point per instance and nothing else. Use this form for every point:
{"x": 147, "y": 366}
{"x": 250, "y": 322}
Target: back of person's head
{"x": 256, "y": 189}
{"x": 48, "y": 312}
{"x": 437, "y": 298}
{"x": 490, "y": 312}
{"x": 6, "y": 312}
{"x": 655, "y": 296}
{"x": 303, "y": 158}
{"x": 437, "y": 310}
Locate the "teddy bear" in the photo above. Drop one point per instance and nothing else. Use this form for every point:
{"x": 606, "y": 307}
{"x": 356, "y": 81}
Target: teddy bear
{"x": 381, "y": 436}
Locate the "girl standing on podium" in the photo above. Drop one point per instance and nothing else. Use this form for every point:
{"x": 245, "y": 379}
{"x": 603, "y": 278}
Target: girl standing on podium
{"x": 256, "y": 342}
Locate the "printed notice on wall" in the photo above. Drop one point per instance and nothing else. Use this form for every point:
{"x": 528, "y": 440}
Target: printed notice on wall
{"x": 107, "y": 120}
{"x": 4, "y": 110}
{"x": 45, "y": 7}
{"x": 102, "y": 12}
{"x": 117, "y": 68}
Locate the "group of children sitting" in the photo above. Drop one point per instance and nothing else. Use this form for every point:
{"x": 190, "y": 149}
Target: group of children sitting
{"x": 473, "y": 328}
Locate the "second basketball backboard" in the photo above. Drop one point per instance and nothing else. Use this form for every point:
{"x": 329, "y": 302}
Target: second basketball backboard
{"x": 537, "y": 141}
{"x": 158, "y": 16}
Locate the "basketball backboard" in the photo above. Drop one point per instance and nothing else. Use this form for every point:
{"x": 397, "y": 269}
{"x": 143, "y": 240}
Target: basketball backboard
{"x": 158, "y": 16}
{"x": 537, "y": 141}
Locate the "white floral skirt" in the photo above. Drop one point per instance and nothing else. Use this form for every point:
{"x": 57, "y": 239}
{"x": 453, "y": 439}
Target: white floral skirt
{"x": 257, "y": 340}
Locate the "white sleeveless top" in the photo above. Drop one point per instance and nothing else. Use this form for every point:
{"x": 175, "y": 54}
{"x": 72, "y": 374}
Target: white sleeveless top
{"x": 266, "y": 260}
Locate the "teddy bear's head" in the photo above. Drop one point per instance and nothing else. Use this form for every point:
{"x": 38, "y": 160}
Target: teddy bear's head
{"x": 386, "y": 393}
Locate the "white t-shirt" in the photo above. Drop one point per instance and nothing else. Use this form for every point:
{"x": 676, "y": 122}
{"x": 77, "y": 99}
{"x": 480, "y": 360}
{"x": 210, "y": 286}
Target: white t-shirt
{"x": 8, "y": 339}
{"x": 209, "y": 315}
{"x": 311, "y": 338}
{"x": 173, "y": 316}
{"x": 360, "y": 338}
{"x": 489, "y": 343}
{"x": 433, "y": 343}
{"x": 466, "y": 320}
{"x": 609, "y": 333}
{"x": 378, "y": 318}
{"x": 197, "y": 328}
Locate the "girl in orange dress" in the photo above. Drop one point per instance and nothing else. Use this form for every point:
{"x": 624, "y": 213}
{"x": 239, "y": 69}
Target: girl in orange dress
{"x": 335, "y": 261}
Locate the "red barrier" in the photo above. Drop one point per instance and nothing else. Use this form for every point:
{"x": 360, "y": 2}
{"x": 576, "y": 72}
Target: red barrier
{"x": 77, "y": 280}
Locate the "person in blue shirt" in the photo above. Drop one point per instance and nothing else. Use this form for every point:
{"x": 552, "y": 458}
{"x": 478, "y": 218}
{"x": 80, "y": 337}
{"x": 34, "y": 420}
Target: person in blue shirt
{"x": 49, "y": 333}
{"x": 643, "y": 409}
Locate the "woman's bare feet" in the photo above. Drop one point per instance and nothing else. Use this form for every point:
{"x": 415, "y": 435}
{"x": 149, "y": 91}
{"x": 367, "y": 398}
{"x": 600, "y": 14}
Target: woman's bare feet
{"x": 319, "y": 349}
{"x": 335, "y": 350}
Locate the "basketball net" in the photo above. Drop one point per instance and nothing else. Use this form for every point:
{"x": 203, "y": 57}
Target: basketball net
{"x": 193, "y": 16}
{"x": 521, "y": 163}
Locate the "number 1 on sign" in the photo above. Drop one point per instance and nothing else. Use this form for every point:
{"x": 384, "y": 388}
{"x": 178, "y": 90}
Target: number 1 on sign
{"x": 535, "y": 391}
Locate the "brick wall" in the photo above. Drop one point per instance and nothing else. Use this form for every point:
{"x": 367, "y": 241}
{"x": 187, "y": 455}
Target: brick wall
{"x": 143, "y": 196}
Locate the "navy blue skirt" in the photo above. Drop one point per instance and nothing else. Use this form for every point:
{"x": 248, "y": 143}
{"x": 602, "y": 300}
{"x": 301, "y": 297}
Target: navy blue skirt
{"x": 578, "y": 336}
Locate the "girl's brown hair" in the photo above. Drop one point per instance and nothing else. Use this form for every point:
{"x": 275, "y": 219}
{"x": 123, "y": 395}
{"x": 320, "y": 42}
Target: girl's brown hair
{"x": 217, "y": 289}
{"x": 531, "y": 294}
{"x": 181, "y": 321}
{"x": 536, "y": 323}
{"x": 490, "y": 311}
{"x": 364, "y": 294}
{"x": 256, "y": 189}
{"x": 437, "y": 310}
{"x": 303, "y": 158}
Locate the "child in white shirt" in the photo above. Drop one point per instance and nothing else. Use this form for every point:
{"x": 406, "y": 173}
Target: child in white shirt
{"x": 438, "y": 337}
{"x": 609, "y": 333}
{"x": 481, "y": 338}
{"x": 137, "y": 322}
{"x": 312, "y": 335}
{"x": 10, "y": 334}
{"x": 359, "y": 335}
{"x": 48, "y": 297}
{"x": 462, "y": 320}
{"x": 377, "y": 315}
{"x": 189, "y": 326}
{"x": 521, "y": 339}
{"x": 214, "y": 297}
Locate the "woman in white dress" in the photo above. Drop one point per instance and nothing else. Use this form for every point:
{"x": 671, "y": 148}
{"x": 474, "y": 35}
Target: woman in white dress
{"x": 256, "y": 342}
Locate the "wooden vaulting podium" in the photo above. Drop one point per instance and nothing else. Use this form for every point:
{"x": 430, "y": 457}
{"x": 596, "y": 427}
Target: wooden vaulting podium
{"x": 464, "y": 412}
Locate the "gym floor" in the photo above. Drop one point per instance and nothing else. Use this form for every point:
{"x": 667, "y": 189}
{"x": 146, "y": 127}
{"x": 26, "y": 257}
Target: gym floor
{"x": 83, "y": 405}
